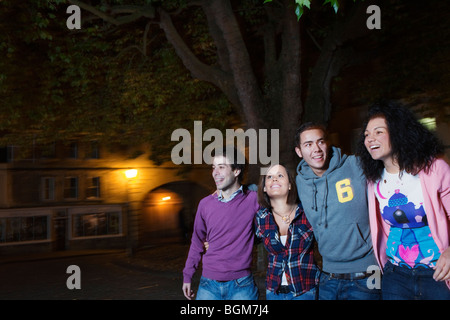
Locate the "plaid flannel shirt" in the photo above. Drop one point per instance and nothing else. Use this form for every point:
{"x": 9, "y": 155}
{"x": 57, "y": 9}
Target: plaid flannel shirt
{"x": 296, "y": 258}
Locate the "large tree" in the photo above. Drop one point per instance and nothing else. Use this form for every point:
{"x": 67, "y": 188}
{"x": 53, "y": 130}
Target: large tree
{"x": 252, "y": 52}
{"x": 131, "y": 74}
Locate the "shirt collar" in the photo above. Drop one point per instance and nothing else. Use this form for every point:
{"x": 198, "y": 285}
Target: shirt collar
{"x": 222, "y": 199}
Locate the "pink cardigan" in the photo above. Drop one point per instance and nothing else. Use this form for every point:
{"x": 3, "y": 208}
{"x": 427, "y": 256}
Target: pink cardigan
{"x": 436, "y": 193}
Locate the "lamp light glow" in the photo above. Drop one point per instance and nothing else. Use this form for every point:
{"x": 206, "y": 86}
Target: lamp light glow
{"x": 131, "y": 173}
{"x": 429, "y": 123}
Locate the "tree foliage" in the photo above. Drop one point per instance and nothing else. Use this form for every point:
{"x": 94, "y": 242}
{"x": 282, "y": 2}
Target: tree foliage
{"x": 139, "y": 69}
{"x": 96, "y": 83}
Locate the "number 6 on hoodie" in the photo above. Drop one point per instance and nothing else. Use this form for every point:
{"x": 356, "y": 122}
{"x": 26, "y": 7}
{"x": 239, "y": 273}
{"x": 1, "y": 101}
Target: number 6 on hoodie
{"x": 344, "y": 190}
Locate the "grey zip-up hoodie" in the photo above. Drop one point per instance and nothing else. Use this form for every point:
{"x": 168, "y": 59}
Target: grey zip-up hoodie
{"x": 336, "y": 206}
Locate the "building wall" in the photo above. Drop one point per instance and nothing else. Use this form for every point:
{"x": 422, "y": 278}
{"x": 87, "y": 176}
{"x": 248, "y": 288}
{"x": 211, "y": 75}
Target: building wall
{"x": 3, "y": 185}
{"x": 121, "y": 200}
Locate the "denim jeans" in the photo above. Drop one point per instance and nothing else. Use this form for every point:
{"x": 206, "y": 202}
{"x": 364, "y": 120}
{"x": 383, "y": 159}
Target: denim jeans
{"x": 308, "y": 295}
{"x": 400, "y": 283}
{"x": 240, "y": 289}
{"x": 340, "y": 289}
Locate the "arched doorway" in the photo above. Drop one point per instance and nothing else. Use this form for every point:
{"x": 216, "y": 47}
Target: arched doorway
{"x": 169, "y": 211}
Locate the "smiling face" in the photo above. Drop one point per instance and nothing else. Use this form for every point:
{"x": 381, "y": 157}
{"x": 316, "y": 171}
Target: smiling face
{"x": 277, "y": 182}
{"x": 377, "y": 141}
{"x": 313, "y": 148}
{"x": 224, "y": 176}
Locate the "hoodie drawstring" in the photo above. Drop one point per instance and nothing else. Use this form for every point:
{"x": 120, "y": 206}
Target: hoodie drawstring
{"x": 323, "y": 217}
{"x": 314, "y": 197}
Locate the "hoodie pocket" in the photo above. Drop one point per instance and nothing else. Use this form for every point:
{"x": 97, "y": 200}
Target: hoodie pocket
{"x": 344, "y": 244}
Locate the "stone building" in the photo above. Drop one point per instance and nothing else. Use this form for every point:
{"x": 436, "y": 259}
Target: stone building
{"x": 76, "y": 196}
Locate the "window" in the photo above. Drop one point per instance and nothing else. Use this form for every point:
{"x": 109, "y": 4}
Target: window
{"x": 429, "y": 123}
{"x": 3, "y": 154}
{"x": 46, "y": 151}
{"x": 93, "y": 189}
{"x": 10, "y": 153}
{"x": 48, "y": 188}
{"x": 73, "y": 150}
{"x": 17, "y": 229}
{"x": 96, "y": 224}
{"x": 71, "y": 188}
{"x": 16, "y": 153}
{"x": 94, "y": 150}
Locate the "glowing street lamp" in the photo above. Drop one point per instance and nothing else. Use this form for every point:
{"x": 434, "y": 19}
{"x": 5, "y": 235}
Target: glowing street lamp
{"x": 131, "y": 173}
{"x": 132, "y": 223}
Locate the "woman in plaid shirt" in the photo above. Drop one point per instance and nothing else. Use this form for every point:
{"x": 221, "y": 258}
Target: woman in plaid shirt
{"x": 287, "y": 236}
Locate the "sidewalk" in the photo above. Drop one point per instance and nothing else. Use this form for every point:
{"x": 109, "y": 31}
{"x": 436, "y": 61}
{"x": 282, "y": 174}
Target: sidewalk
{"x": 153, "y": 272}
{"x": 56, "y": 255}
{"x": 61, "y": 254}
{"x": 168, "y": 256}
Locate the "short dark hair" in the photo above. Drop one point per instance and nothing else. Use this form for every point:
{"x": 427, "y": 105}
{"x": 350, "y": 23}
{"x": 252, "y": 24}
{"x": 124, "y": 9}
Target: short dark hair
{"x": 235, "y": 161}
{"x": 309, "y": 126}
{"x": 263, "y": 198}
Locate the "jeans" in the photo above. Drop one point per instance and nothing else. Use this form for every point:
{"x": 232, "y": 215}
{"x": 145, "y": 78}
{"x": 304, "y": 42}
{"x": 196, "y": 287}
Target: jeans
{"x": 240, "y": 289}
{"x": 308, "y": 295}
{"x": 400, "y": 283}
{"x": 340, "y": 289}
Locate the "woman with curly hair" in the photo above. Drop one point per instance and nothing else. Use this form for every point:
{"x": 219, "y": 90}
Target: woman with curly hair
{"x": 409, "y": 203}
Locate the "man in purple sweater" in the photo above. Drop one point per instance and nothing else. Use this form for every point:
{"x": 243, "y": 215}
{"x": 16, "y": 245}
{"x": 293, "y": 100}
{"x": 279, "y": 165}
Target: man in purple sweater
{"x": 225, "y": 220}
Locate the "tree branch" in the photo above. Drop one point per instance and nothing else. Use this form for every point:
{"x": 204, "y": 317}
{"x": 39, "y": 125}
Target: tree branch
{"x": 313, "y": 39}
{"x": 198, "y": 69}
{"x": 222, "y": 53}
{"x": 245, "y": 82}
{"x": 135, "y": 12}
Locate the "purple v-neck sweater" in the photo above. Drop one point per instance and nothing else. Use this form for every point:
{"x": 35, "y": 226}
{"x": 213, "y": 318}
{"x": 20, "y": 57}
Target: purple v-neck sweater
{"x": 228, "y": 228}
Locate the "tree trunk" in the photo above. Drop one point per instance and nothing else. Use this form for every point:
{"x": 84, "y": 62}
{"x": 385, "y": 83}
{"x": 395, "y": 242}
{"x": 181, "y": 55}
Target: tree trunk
{"x": 292, "y": 106}
{"x": 274, "y": 102}
{"x": 245, "y": 82}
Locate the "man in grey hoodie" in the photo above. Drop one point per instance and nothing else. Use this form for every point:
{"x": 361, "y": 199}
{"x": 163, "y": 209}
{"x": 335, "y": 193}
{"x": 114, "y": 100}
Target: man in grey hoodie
{"x": 332, "y": 189}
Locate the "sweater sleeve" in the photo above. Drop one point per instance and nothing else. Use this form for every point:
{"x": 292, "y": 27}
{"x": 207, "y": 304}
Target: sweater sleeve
{"x": 437, "y": 199}
{"x": 378, "y": 229}
{"x": 196, "y": 248}
{"x": 444, "y": 174}
{"x": 436, "y": 189}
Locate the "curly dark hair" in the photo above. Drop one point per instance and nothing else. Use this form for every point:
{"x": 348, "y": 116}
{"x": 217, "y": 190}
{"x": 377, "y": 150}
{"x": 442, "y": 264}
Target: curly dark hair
{"x": 414, "y": 147}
